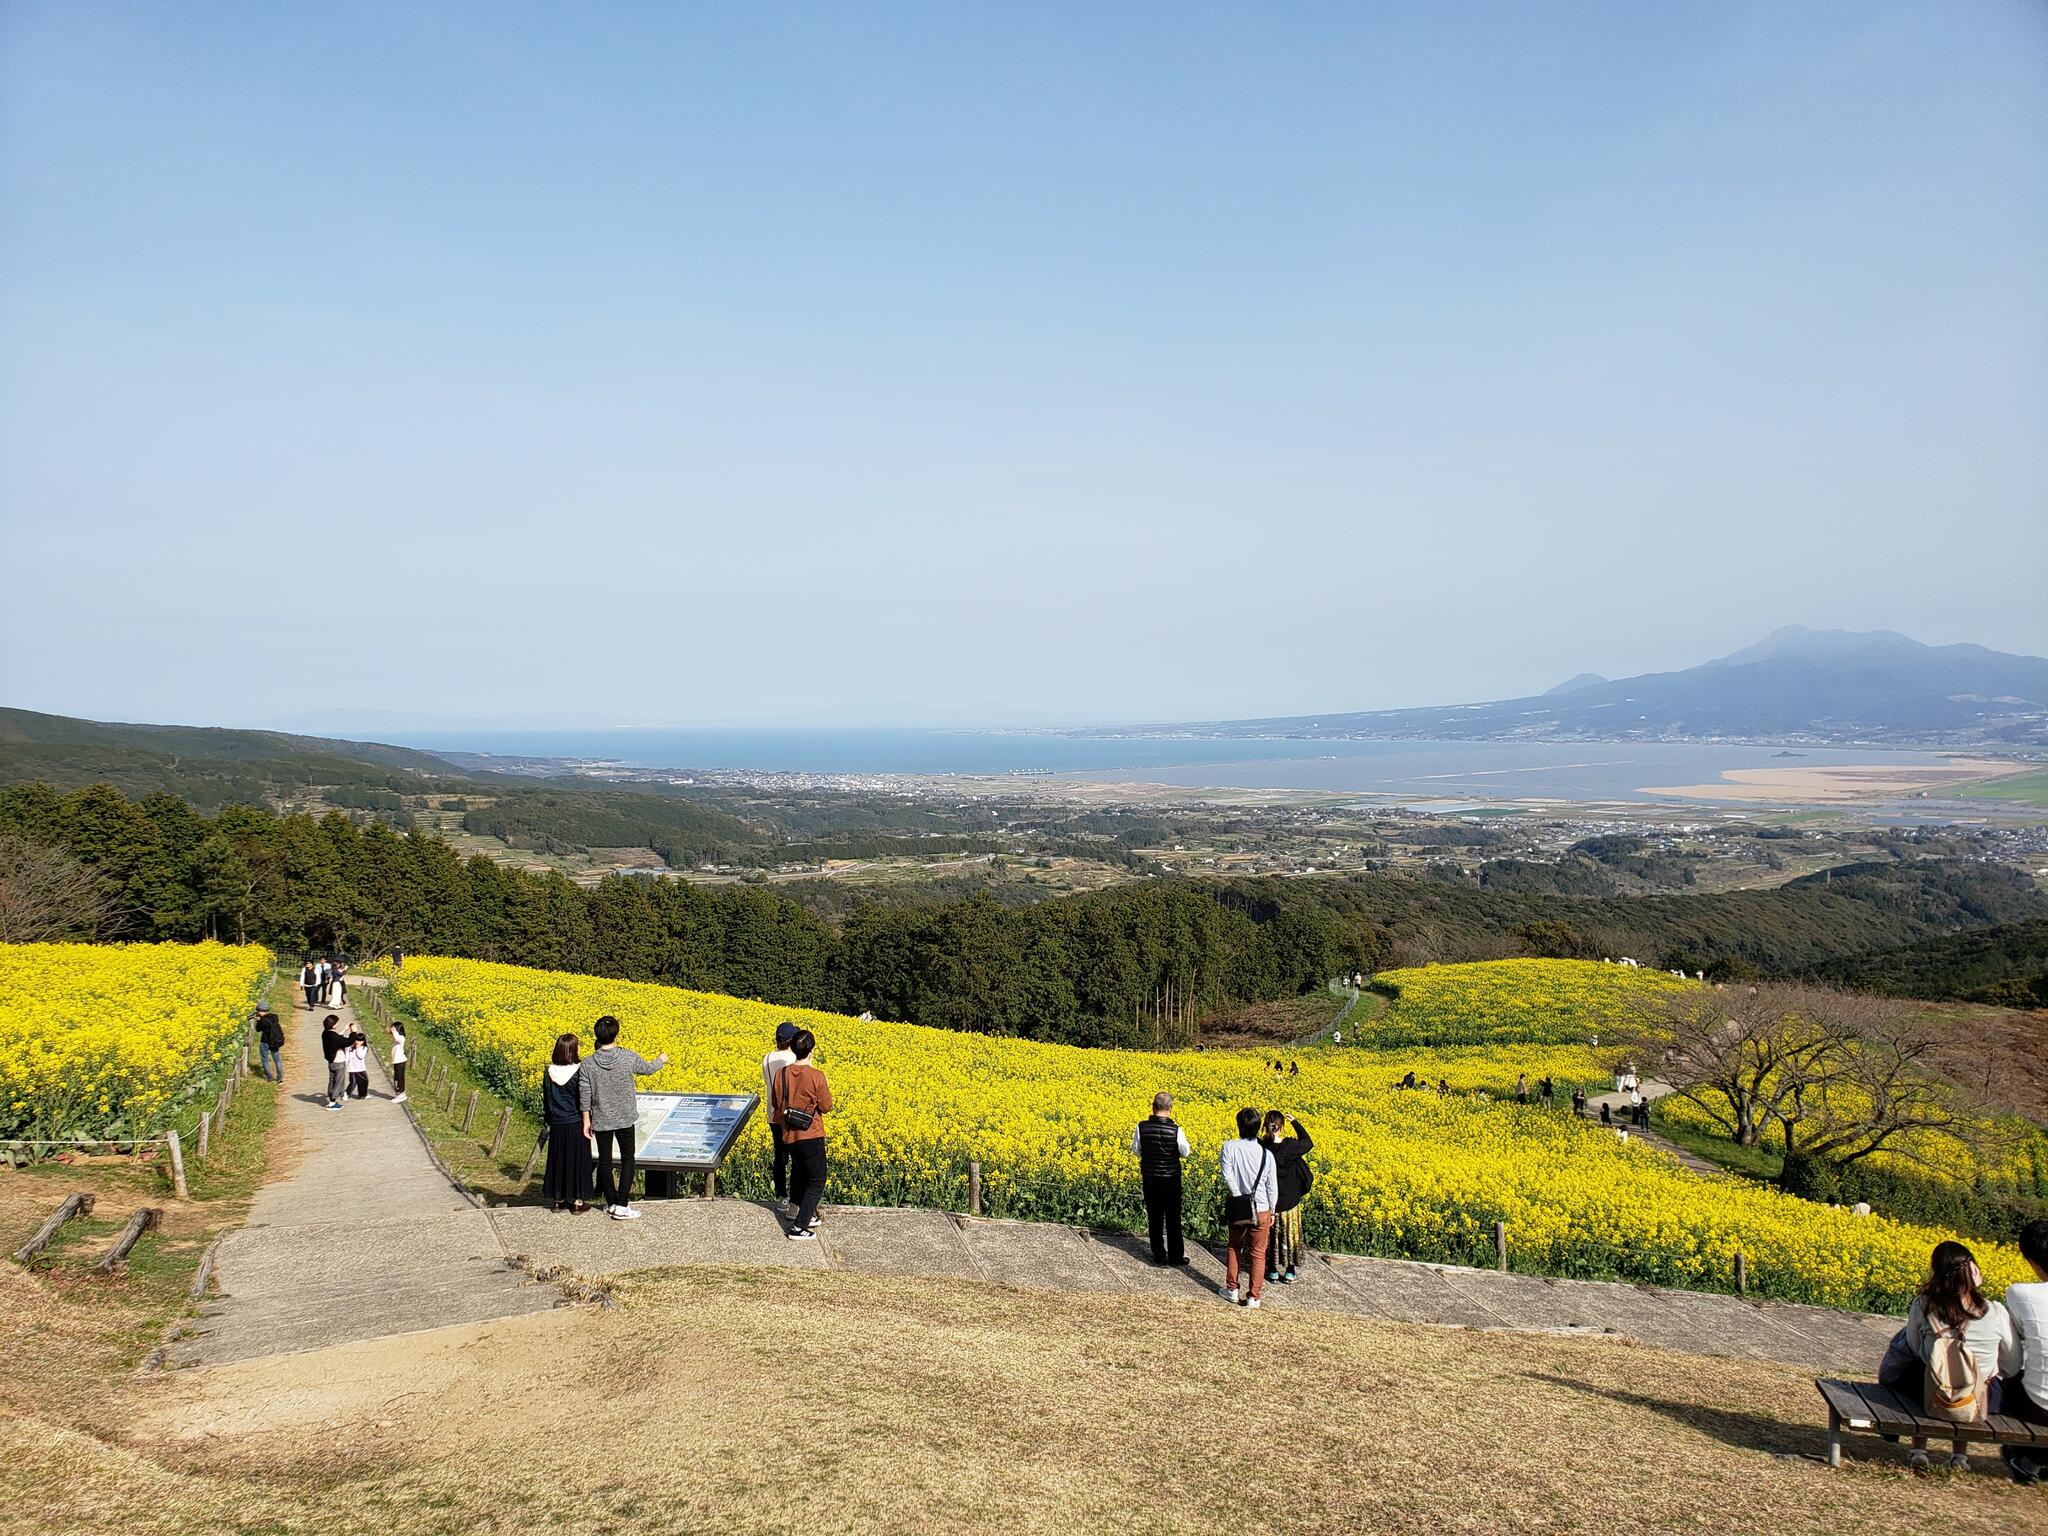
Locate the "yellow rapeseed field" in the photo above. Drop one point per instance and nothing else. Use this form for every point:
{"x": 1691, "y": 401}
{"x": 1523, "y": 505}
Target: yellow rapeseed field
{"x": 1512, "y": 1002}
{"x": 1400, "y": 1173}
{"x": 100, "y": 1040}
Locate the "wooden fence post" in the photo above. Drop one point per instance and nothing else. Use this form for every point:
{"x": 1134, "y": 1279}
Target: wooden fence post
{"x": 200, "y": 1151}
{"x": 974, "y": 1189}
{"x": 177, "y": 1165}
{"x": 74, "y": 1205}
{"x": 469, "y": 1113}
{"x": 1741, "y": 1274}
{"x": 711, "y": 1184}
{"x": 533, "y": 1157}
{"x": 448, "y": 1103}
{"x": 1500, "y": 1245}
{"x": 138, "y": 1224}
{"x": 498, "y": 1137}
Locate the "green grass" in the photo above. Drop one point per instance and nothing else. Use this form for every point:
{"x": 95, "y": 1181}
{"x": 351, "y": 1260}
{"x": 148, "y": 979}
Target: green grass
{"x": 1760, "y": 1162}
{"x": 2025, "y": 788}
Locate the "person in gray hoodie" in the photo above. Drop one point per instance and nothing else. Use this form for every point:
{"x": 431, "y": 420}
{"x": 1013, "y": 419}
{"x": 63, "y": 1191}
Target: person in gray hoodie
{"x": 610, "y": 1102}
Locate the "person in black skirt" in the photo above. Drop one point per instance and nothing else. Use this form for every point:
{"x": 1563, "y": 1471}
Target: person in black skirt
{"x": 568, "y": 1180}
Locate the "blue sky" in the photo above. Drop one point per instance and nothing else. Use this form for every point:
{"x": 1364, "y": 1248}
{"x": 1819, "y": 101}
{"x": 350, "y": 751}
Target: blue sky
{"x": 794, "y": 364}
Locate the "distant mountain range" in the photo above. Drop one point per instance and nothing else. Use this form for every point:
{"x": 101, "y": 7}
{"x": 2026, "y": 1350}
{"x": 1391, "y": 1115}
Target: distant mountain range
{"x": 1796, "y": 685}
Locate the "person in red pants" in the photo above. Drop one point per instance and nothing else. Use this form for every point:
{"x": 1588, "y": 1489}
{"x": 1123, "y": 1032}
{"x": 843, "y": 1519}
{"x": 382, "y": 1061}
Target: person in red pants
{"x": 1251, "y": 1188}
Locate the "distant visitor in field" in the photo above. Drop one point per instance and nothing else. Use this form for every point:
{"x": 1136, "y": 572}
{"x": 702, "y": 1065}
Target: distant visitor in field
{"x": 1956, "y": 1344}
{"x": 1251, "y": 1187}
{"x": 1161, "y": 1146}
{"x": 567, "y": 1181}
{"x": 806, "y": 1100}
{"x": 2027, "y": 1397}
{"x": 270, "y": 1044}
{"x": 606, "y": 1092}
{"x": 332, "y": 1043}
{"x": 771, "y": 1069}
{"x": 1294, "y": 1176}
{"x": 309, "y": 981}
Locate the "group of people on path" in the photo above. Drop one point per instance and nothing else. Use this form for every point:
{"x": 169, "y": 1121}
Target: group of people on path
{"x": 348, "y": 1062}
{"x": 1265, "y": 1175}
{"x": 324, "y": 981}
{"x": 1963, "y": 1358}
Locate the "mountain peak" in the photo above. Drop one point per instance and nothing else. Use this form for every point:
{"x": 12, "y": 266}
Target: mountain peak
{"x": 1574, "y": 684}
{"x": 1825, "y": 645}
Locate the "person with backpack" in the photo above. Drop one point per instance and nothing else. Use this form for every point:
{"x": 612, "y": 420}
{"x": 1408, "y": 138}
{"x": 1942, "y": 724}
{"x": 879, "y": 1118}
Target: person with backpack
{"x": 1251, "y": 1188}
{"x": 270, "y": 1044}
{"x": 1161, "y": 1146}
{"x": 1956, "y": 1340}
{"x": 1295, "y": 1178}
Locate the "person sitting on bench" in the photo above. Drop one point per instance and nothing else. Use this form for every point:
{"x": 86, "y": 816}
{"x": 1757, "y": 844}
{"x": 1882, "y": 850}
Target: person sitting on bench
{"x": 1951, "y": 1308}
{"x": 2026, "y": 1394}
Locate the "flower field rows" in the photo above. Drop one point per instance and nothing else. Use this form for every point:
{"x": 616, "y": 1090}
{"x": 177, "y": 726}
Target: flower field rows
{"x": 1400, "y": 1174}
{"x": 1511, "y": 1002}
{"x": 106, "y": 1040}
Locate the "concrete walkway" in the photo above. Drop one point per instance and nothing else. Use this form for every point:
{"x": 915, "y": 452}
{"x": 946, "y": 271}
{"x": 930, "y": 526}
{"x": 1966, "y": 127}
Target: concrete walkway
{"x": 363, "y": 1238}
{"x": 1047, "y": 1256}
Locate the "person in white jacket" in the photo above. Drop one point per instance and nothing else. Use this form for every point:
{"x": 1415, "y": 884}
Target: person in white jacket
{"x": 771, "y": 1069}
{"x": 1251, "y": 1187}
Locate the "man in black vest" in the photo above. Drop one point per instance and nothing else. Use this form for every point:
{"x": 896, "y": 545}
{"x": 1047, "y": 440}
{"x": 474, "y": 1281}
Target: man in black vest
{"x": 1160, "y": 1147}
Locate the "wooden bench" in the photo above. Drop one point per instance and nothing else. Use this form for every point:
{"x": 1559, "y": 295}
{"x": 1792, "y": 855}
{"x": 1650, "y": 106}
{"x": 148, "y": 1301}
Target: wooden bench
{"x": 1867, "y": 1406}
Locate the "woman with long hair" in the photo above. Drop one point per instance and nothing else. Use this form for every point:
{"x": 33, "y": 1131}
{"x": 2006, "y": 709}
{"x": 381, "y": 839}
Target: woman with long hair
{"x": 568, "y": 1181}
{"x": 1953, "y": 1333}
{"x": 1283, "y": 1250}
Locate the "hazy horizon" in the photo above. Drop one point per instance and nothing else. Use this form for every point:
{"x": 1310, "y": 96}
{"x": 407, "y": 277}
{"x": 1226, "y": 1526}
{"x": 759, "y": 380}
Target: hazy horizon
{"x": 917, "y": 366}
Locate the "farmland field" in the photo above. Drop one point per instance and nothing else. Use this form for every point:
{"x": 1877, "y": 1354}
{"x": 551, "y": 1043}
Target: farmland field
{"x": 1399, "y": 1173}
{"x": 101, "y": 1040}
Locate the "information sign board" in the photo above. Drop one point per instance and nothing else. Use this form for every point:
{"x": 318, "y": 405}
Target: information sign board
{"x": 690, "y": 1130}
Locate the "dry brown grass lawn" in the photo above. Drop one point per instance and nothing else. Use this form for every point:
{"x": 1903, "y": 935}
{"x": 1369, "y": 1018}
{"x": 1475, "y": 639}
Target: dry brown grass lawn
{"x": 755, "y": 1401}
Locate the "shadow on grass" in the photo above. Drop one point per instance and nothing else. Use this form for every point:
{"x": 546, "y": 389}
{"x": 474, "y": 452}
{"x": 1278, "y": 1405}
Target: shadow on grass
{"x": 1744, "y": 1431}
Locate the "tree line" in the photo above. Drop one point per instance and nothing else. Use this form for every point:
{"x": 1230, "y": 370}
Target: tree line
{"x": 1134, "y": 965}
{"x": 1140, "y": 963}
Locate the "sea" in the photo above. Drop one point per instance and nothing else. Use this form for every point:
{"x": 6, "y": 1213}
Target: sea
{"x": 1426, "y": 771}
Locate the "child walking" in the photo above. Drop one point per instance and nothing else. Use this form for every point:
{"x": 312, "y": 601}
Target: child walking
{"x": 398, "y": 1059}
{"x": 357, "y": 1054}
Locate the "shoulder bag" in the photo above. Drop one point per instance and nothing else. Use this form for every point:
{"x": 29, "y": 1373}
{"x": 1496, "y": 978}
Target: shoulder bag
{"x": 1239, "y": 1210}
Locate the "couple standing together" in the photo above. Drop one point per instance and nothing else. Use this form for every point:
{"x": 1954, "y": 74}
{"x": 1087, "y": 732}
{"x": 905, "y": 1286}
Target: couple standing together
{"x": 1265, "y": 1176}
{"x": 593, "y": 1104}
{"x": 799, "y": 1098}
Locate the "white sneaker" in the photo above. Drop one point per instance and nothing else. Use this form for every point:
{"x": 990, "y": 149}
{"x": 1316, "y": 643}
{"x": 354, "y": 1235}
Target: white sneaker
{"x": 802, "y": 1235}
{"x": 624, "y": 1213}
{"x": 1251, "y": 1301}
{"x": 1227, "y": 1293}
{"x": 398, "y": 1098}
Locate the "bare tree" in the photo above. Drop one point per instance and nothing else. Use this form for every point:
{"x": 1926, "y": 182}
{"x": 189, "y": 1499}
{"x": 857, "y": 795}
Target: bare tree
{"x": 1837, "y": 1075}
{"x": 46, "y": 894}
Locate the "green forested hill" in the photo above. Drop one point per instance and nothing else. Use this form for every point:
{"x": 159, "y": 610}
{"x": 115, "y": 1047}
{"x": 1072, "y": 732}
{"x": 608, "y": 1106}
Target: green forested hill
{"x": 2006, "y": 964}
{"x": 207, "y": 765}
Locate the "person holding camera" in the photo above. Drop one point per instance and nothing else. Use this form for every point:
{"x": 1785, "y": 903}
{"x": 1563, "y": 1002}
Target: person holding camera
{"x": 1290, "y": 1162}
{"x": 804, "y": 1098}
